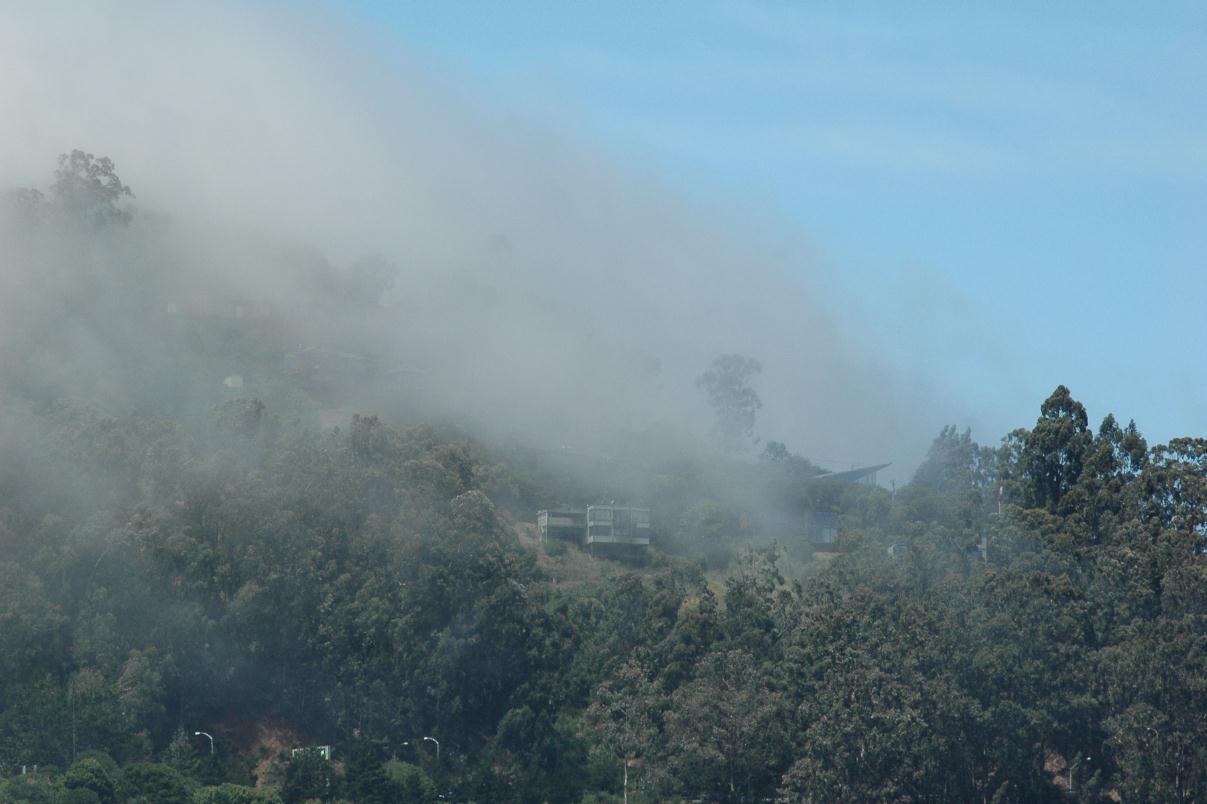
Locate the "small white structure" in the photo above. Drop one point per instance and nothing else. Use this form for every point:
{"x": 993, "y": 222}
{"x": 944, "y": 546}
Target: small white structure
{"x": 323, "y": 751}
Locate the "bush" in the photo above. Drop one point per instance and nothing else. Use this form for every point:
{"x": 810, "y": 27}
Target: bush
{"x": 89, "y": 775}
{"x": 409, "y": 783}
{"x": 27, "y": 790}
{"x": 235, "y": 794}
{"x": 308, "y": 775}
{"x": 152, "y": 783}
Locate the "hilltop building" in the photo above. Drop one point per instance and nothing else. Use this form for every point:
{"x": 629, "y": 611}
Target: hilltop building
{"x": 565, "y": 524}
{"x": 864, "y": 475}
{"x": 616, "y": 524}
{"x": 596, "y": 524}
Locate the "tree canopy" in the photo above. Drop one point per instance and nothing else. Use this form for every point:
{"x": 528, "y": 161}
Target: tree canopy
{"x": 726, "y": 387}
{"x": 188, "y": 560}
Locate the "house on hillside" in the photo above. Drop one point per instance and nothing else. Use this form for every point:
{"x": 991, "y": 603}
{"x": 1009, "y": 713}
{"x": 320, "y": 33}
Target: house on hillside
{"x": 597, "y": 524}
{"x": 617, "y": 524}
{"x": 864, "y": 475}
{"x": 564, "y": 524}
{"x": 821, "y": 528}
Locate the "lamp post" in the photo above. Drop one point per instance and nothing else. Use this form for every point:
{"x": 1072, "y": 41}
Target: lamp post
{"x": 1073, "y": 769}
{"x": 437, "y": 742}
{"x": 205, "y": 734}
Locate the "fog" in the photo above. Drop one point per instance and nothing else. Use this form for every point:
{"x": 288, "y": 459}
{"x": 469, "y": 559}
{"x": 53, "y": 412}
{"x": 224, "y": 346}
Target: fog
{"x": 200, "y": 539}
{"x": 544, "y": 291}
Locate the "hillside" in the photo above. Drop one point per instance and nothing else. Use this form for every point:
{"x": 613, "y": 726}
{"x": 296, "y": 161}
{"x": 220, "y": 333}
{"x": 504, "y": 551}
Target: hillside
{"x": 312, "y": 555}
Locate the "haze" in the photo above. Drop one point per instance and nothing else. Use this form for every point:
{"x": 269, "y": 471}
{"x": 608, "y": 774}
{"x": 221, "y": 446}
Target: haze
{"x": 546, "y": 289}
{"x": 410, "y": 403}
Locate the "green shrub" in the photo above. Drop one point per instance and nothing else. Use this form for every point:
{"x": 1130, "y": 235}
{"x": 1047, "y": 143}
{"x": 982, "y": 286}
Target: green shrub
{"x": 235, "y": 794}
{"x": 410, "y": 784}
{"x": 89, "y": 775}
{"x": 152, "y": 783}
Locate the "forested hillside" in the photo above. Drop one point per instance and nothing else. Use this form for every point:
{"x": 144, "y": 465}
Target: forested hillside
{"x": 199, "y": 574}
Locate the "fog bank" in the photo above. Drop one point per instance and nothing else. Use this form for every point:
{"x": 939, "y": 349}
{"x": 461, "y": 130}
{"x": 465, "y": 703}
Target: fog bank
{"x": 543, "y": 291}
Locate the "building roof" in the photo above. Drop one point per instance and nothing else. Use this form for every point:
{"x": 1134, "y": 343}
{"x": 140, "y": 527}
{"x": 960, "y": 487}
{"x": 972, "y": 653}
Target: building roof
{"x": 854, "y": 475}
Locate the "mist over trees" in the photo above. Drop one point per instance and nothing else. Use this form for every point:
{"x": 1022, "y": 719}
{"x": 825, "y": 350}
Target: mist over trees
{"x": 306, "y": 556}
{"x": 726, "y": 387}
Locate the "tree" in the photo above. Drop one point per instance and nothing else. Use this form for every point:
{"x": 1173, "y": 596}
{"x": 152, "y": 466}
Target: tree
{"x": 34, "y": 724}
{"x": 87, "y": 189}
{"x": 26, "y": 204}
{"x": 89, "y": 774}
{"x": 235, "y": 794}
{"x": 728, "y": 729}
{"x": 139, "y": 689}
{"x": 775, "y": 452}
{"x": 1054, "y": 452}
{"x": 367, "y": 279}
{"x": 411, "y": 785}
{"x": 33, "y": 789}
{"x": 625, "y": 716}
{"x": 152, "y": 783}
{"x": 307, "y": 776}
{"x": 956, "y": 463}
{"x": 180, "y": 755}
{"x": 366, "y": 779}
{"x": 29, "y": 623}
{"x": 1179, "y": 480}
{"x": 726, "y": 387}
{"x": 956, "y": 484}
{"x": 709, "y": 531}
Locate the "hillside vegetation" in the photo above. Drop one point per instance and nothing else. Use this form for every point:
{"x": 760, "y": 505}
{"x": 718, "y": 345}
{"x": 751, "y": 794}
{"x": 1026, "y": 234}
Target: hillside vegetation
{"x": 186, "y": 559}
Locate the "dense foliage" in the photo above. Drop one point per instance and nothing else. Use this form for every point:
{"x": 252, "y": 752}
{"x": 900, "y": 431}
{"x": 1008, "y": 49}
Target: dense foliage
{"x": 181, "y": 568}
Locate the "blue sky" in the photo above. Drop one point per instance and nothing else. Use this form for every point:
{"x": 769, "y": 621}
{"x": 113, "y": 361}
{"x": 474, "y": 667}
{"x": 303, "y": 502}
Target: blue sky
{"x": 1002, "y": 197}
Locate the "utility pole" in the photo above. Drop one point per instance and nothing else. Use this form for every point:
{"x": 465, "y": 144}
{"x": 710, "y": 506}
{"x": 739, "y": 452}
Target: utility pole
{"x": 71, "y": 695}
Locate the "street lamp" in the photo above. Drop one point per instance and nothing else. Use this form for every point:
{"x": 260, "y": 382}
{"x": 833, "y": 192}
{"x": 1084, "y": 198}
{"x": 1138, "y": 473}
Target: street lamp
{"x": 204, "y": 734}
{"x": 1073, "y": 769}
{"x": 437, "y": 742}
